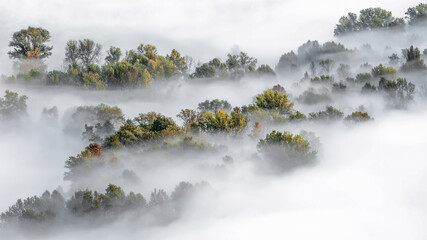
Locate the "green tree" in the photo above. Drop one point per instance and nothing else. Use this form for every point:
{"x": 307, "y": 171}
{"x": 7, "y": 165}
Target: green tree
{"x": 368, "y": 88}
{"x": 30, "y": 43}
{"x": 288, "y": 63}
{"x": 35, "y": 209}
{"x": 214, "y": 105}
{"x": 417, "y": 14}
{"x": 89, "y": 51}
{"x": 146, "y": 78}
{"x": 358, "y": 117}
{"x": 91, "y": 157}
{"x": 399, "y": 91}
{"x": 383, "y": 71}
{"x": 188, "y": 116}
{"x": 285, "y": 151}
{"x": 177, "y": 60}
{"x": 347, "y": 24}
{"x": 331, "y": 114}
{"x": 121, "y": 74}
{"x": 71, "y": 52}
{"x": 13, "y": 106}
{"x": 413, "y": 60}
{"x": 222, "y": 122}
{"x": 265, "y": 70}
{"x": 204, "y": 71}
{"x": 93, "y": 81}
{"x": 274, "y": 100}
{"x": 369, "y": 19}
{"x": 363, "y": 77}
{"x": 326, "y": 65}
{"x": 113, "y": 55}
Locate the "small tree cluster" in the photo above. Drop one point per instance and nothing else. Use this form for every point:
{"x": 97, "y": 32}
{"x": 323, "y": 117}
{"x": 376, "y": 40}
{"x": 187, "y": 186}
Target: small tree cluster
{"x": 13, "y": 106}
{"x": 45, "y": 209}
{"x": 285, "y": 151}
{"x": 330, "y": 114}
{"x": 358, "y": 117}
{"x": 369, "y": 19}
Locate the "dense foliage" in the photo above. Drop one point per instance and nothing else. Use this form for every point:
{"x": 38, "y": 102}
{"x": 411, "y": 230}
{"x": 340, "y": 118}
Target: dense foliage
{"x": 13, "y": 106}
{"x": 48, "y": 207}
{"x": 286, "y": 150}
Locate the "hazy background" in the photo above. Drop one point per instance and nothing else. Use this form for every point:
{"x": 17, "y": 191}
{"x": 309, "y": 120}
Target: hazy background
{"x": 203, "y": 29}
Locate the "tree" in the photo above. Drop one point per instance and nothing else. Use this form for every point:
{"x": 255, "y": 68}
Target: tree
{"x": 204, "y": 71}
{"x": 91, "y": 157}
{"x": 382, "y": 70}
{"x": 394, "y": 59}
{"x": 113, "y": 55}
{"x": 399, "y": 92}
{"x": 274, "y": 100}
{"x": 413, "y": 60}
{"x": 312, "y": 68}
{"x": 13, "y": 106}
{"x": 71, "y": 52}
{"x": 161, "y": 123}
{"x": 214, "y": 105}
{"x": 146, "y": 78}
{"x": 309, "y": 52}
{"x": 369, "y": 19}
{"x": 368, "y": 88}
{"x": 93, "y": 81}
{"x": 279, "y": 88}
{"x": 222, "y": 122}
{"x": 331, "y": 114}
{"x": 339, "y": 87}
{"x": 285, "y": 151}
{"x": 89, "y": 51}
{"x": 288, "y": 63}
{"x": 326, "y": 65}
{"x": 190, "y": 118}
{"x": 363, "y": 77}
{"x": 358, "y": 117}
{"x": 417, "y": 15}
{"x": 179, "y": 61}
{"x": 30, "y": 43}
{"x": 322, "y": 79}
{"x": 123, "y": 74}
{"x": 35, "y": 209}
{"x": 149, "y": 51}
{"x": 98, "y": 114}
{"x": 245, "y": 61}
{"x": 347, "y": 24}
{"x": 313, "y": 96}
{"x": 344, "y": 71}
{"x": 265, "y": 70}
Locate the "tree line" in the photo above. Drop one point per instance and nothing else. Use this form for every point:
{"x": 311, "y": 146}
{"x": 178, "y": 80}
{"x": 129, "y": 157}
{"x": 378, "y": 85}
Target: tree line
{"x": 380, "y": 19}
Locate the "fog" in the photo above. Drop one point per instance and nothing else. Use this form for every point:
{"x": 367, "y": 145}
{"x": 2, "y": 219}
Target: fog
{"x": 367, "y": 180}
{"x": 265, "y": 29}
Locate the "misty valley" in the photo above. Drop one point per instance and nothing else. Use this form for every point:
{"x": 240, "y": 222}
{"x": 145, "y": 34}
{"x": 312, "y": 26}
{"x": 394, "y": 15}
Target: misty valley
{"x": 136, "y": 143}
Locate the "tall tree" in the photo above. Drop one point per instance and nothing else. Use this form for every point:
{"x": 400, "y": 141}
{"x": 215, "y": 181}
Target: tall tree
{"x": 89, "y": 51}
{"x": 71, "y": 52}
{"x": 30, "y": 43}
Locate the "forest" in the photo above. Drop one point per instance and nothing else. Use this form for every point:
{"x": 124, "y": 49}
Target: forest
{"x": 129, "y": 139}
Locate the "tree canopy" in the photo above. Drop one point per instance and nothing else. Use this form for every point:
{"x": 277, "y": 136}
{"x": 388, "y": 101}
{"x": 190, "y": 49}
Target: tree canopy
{"x": 368, "y": 19}
{"x": 30, "y": 43}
